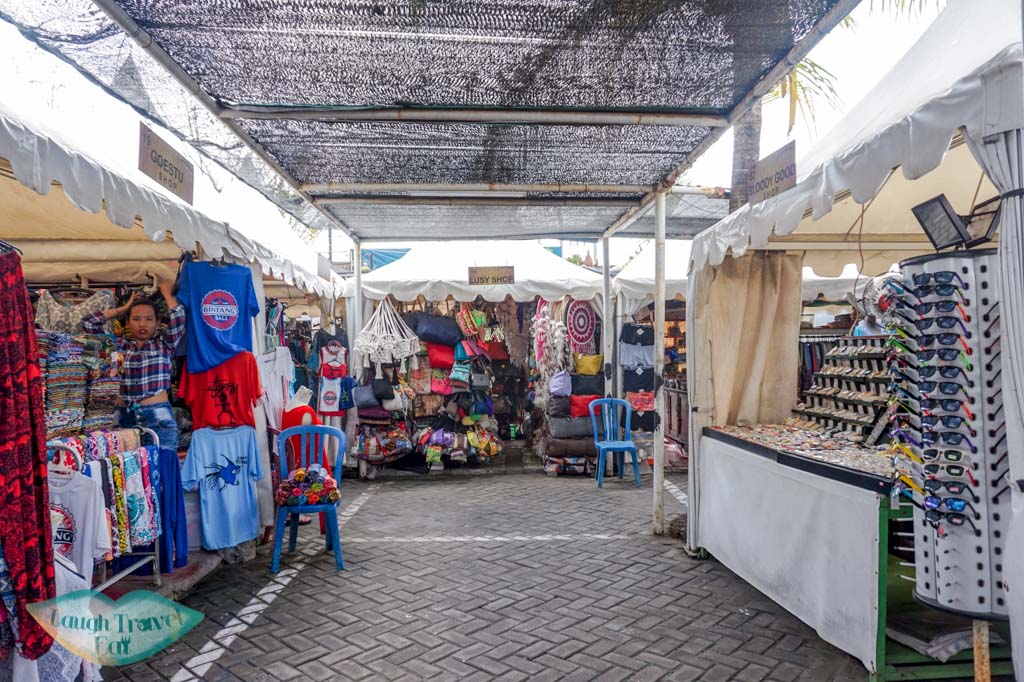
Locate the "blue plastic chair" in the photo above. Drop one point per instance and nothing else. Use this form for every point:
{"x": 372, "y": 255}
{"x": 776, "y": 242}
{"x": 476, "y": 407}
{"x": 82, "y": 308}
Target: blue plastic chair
{"x": 312, "y": 450}
{"x": 609, "y": 425}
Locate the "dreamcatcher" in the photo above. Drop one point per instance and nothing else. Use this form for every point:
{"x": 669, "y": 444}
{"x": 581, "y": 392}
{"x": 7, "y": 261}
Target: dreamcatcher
{"x": 386, "y": 339}
{"x": 581, "y": 323}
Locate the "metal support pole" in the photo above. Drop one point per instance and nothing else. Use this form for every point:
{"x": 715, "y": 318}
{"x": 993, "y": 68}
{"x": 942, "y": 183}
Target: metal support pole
{"x": 357, "y": 319}
{"x": 606, "y": 316}
{"x": 659, "y": 362}
{"x": 330, "y": 246}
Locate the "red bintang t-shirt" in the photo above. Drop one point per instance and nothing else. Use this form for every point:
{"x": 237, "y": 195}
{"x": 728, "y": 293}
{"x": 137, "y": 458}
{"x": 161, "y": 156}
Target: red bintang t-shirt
{"x": 224, "y": 395}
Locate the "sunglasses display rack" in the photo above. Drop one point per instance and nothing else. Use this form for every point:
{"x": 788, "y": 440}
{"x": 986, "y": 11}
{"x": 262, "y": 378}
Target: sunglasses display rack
{"x": 949, "y": 426}
{"x": 848, "y": 392}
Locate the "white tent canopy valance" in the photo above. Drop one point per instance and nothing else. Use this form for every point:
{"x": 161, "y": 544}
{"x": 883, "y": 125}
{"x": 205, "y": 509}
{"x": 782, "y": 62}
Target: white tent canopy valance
{"x": 61, "y": 128}
{"x": 959, "y": 79}
{"x": 437, "y": 271}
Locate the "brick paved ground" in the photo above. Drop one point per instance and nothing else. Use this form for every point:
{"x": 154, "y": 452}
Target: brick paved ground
{"x": 502, "y": 577}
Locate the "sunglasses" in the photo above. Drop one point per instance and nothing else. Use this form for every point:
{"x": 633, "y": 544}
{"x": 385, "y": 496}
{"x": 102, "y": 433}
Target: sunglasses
{"x": 934, "y": 485}
{"x": 948, "y": 438}
{"x": 946, "y": 355}
{"x": 945, "y": 387}
{"x": 941, "y": 307}
{"x": 943, "y": 322}
{"x": 944, "y": 371}
{"x": 894, "y": 387}
{"x": 947, "y": 404}
{"x": 948, "y": 455}
{"x": 950, "y": 421}
{"x": 954, "y": 470}
{"x": 894, "y": 402}
{"x": 941, "y": 277}
{"x": 940, "y": 290}
{"x": 934, "y": 516}
{"x": 943, "y": 339}
{"x": 896, "y": 433}
{"x": 954, "y": 504}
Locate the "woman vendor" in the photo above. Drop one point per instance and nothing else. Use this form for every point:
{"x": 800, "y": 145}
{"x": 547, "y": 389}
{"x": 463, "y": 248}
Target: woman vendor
{"x": 148, "y": 358}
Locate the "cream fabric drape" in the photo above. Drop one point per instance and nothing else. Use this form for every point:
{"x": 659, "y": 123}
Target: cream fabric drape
{"x": 753, "y": 328}
{"x": 1002, "y": 156}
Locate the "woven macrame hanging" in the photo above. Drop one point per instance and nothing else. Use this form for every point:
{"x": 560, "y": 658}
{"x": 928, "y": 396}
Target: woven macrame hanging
{"x": 386, "y": 339}
{"x": 581, "y": 323}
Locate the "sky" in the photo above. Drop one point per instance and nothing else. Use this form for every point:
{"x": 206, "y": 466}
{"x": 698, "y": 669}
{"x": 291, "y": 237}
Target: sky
{"x": 858, "y": 57}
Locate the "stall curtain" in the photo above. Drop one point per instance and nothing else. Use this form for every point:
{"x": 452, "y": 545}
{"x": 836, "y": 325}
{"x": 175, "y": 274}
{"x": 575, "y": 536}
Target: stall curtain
{"x": 1001, "y": 157}
{"x": 754, "y": 331}
{"x": 743, "y": 331}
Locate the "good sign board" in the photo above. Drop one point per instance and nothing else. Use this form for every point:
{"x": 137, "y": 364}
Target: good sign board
{"x": 504, "y": 274}
{"x": 775, "y": 174}
{"x": 159, "y": 161}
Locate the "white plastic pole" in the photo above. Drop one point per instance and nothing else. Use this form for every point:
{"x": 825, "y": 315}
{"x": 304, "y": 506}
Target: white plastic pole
{"x": 659, "y": 362}
{"x": 606, "y": 315}
{"x": 357, "y": 319}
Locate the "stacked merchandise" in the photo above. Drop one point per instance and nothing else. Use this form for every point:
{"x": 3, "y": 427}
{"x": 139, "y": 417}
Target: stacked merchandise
{"x": 65, "y": 379}
{"x": 446, "y": 384}
{"x": 636, "y": 355}
{"x": 99, "y": 354}
{"x": 812, "y": 357}
{"x": 571, "y": 449}
{"x": 849, "y": 391}
{"x": 949, "y": 427}
{"x": 221, "y": 386}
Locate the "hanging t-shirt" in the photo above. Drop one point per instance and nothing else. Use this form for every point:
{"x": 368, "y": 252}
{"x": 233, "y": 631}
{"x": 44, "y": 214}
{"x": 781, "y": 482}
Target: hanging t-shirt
{"x": 80, "y": 530}
{"x": 223, "y": 465}
{"x": 277, "y": 373}
{"x": 221, "y": 303}
{"x": 223, "y": 396}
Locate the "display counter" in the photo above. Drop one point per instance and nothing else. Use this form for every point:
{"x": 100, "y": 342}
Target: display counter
{"x": 804, "y": 518}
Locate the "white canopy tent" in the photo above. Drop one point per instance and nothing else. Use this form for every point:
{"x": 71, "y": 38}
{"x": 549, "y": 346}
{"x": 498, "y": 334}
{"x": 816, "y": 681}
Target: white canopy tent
{"x": 962, "y": 78}
{"x": 437, "y": 271}
{"x": 633, "y": 287}
{"x": 61, "y": 130}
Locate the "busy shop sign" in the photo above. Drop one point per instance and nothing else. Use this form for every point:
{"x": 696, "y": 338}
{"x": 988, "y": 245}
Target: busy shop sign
{"x": 504, "y": 274}
{"x": 158, "y": 160}
{"x": 775, "y": 174}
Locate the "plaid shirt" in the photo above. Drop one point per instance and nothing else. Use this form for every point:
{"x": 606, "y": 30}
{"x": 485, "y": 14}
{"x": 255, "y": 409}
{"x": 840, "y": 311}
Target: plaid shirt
{"x": 146, "y": 369}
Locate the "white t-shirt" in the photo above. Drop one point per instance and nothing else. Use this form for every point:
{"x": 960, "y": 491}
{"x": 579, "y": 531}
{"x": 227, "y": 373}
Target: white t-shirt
{"x": 277, "y": 371}
{"x": 81, "y": 534}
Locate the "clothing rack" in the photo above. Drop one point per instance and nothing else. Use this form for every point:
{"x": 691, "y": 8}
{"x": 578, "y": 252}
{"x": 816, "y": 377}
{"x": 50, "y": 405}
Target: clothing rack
{"x": 143, "y": 557}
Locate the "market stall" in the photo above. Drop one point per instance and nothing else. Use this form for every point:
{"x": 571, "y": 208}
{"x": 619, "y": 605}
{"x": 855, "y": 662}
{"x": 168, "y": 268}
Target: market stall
{"x": 947, "y": 119}
{"x": 83, "y": 231}
{"x": 526, "y": 287}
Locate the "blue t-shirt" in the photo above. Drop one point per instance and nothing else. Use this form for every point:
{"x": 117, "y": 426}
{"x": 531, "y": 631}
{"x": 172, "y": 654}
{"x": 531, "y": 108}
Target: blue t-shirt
{"x": 223, "y": 464}
{"x": 221, "y": 303}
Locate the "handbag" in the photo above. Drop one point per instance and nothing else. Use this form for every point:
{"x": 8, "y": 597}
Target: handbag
{"x": 439, "y": 382}
{"x": 467, "y": 324}
{"x": 394, "y": 404}
{"x": 480, "y": 381}
{"x": 560, "y": 384}
{"x": 570, "y": 428}
{"x": 438, "y": 329}
{"x": 579, "y": 405}
{"x": 588, "y": 364}
{"x": 637, "y": 334}
{"x": 558, "y": 406}
{"x": 460, "y": 372}
{"x": 382, "y": 389}
{"x": 363, "y": 397}
{"x": 412, "y": 319}
{"x": 632, "y": 355}
{"x": 440, "y": 356}
{"x": 641, "y": 401}
{"x": 495, "y": 350}
{"x": 638, "y": 379}
{"x": 587, "y": 385}
{"x": 427, "y": 405}
{"x": 374, "y": 412}
{"x": 419, "y": 379}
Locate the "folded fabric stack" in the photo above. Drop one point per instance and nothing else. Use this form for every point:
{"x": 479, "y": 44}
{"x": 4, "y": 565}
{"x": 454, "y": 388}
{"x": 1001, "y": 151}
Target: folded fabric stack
{"x": 636, "y": 352}
{"x": 308, "y": 486}
{"x": 99, "y": 354}
{"x": 571, "y": 449}
{"x": 65, "y": 377}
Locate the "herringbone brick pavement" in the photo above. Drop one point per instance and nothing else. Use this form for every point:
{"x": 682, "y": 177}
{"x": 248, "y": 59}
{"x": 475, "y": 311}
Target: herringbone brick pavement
{"x": 493, "y": 578}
